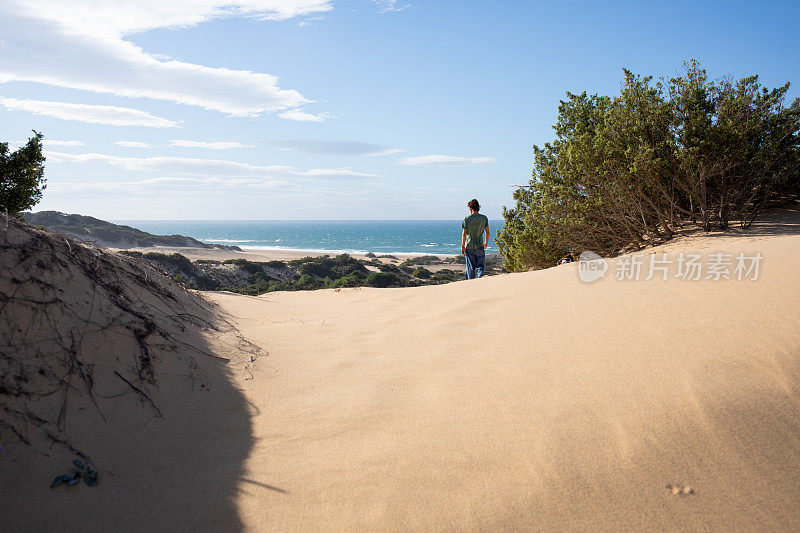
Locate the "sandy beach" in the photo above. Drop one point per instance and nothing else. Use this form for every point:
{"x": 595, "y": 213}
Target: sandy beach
{"x": 618, "y": 405}
{"x": 531, "y": 401}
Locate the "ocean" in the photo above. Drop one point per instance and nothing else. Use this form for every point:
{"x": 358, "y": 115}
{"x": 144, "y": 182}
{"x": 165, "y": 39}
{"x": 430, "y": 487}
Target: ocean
{"x": 335, "y": 236}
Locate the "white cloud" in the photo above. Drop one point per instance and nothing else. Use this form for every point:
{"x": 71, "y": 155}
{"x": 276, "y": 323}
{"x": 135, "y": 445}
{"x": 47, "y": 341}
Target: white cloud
{"x": 218, "y": 145}
{"x": 386, "y": 6}
{"x": 133, "y": 144}
{"x": 196, "y": 167}
{"x": 336, "y": 173}
{"x": 303, "y": 116}
{"x": 94, "y": 114}
{"x": 445, "y": 161}
{"x": 50, "y": 142}
{"x": 317, "y": 146}
{"x": 85, "y": 49}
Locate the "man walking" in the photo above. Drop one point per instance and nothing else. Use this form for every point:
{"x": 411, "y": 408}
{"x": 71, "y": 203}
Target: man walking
{"x": 472, "y": 243}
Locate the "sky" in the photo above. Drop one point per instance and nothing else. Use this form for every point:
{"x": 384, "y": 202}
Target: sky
{"x": 336, "y": 110}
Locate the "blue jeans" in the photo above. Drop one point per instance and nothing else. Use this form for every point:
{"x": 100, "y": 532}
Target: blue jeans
{"x": 475, "y": 260}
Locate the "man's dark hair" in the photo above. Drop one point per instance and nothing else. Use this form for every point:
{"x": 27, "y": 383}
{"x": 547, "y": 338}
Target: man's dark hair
{"x": 474, "y": 205}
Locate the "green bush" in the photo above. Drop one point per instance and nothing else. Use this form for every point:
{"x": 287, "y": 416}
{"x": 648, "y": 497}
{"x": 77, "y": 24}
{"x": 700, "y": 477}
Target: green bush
{"x": 306, "y": 282}
{"x": 131, "y": 253}
{"x": 421, "y": 260}
{"x": 251, "y": 267}
{"x": 383, "y": 279}
{"x": 422, "y": 273}
{"x": 447, "y": 275}
{"x": 389, "y": 268}
{"x": 347, "y": 281}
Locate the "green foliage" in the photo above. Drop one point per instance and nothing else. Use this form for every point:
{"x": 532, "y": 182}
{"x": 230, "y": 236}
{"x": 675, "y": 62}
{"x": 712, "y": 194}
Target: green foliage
{"x": 629, "y": 170}
{"x": 327, "y": 266}
{"x": 422, "y": 273}
{"x": 384, "y": 279}
{"x": 250, "y": 277}
{"x": 251, "y": 267}
{"x": 131, "y": 253}
{"x": 446, "y": 275}
{"x": 385, "y": 267}
{"x": 351, "y": 280}
{"x": 21, "y": 176}
{"x": 307, "y": 282}
{"x": 178, "y": 261}
{"x": 421, "y": 260}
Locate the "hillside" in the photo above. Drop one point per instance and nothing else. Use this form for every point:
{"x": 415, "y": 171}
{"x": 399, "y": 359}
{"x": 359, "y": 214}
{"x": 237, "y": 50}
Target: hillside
{"x": 107, "y": 234}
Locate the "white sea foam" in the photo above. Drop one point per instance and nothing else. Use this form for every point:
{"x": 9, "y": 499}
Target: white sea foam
{"x": 332, "y": 252}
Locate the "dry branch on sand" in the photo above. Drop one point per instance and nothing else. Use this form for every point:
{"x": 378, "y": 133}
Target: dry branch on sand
{"x": 80, "y": 327}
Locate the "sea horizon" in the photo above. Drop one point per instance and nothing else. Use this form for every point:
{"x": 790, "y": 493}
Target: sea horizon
{"x": 391, "y": 236}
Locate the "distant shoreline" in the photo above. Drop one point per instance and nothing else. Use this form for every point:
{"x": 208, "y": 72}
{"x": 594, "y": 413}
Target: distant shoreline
{"x": 266, "y": 254}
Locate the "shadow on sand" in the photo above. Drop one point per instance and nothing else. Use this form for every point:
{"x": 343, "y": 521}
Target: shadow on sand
{"x": 106, "y": 360}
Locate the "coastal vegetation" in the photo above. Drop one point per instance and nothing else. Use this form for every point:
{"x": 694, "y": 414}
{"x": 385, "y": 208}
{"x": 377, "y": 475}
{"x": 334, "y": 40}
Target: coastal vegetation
{"x": 309, "y": 273}
{"x": 631, "y": 170}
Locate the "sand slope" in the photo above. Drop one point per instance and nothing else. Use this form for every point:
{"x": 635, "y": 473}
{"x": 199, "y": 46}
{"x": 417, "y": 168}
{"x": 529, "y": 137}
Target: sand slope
{"x": 87, "y": 340}
{"x": 530, "y": 401}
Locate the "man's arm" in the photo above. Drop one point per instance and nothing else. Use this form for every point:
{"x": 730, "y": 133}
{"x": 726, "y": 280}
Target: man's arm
{"x": 486, "y": 242}
{"x": 463, "y": 240}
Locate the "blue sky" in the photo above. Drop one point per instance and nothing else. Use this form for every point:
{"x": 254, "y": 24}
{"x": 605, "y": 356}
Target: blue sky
{"x": 353, "y": 109}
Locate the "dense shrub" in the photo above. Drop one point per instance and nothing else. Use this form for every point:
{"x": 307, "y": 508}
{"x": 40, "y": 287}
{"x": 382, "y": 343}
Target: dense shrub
{"x": 447, "y": 275}
{"x": 251, "y": 267}
{"x": 422, "y": 273}
{"x": 131, "y": 253}
{"x": 384, "y": 267}
{"x": 421, "y": 260}
{"x": 630, "y": 169}
{"x": 347, "y": 281}
{"x": 383, "y": 279}
{"x": 327, "y": 266}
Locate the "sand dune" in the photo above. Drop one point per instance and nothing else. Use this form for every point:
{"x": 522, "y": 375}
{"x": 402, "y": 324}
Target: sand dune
{"x": 531, "y": 401}
{"x": 527, "y": 401}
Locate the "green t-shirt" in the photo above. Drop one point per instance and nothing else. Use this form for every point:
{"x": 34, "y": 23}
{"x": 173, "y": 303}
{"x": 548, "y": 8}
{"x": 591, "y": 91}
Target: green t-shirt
{"x": 475, "y": 225}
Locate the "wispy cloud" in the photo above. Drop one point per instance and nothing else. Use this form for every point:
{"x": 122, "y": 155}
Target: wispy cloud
{"x": 216, "y": 145}
{"x": 387, "y": 6}
{"x": 196, "y": 167}
{"x": 85, "y": 49}
{"x": 445, "y": 161}
{"x": 303, "y": 116}
{"x": 93, "y": 114}
{"x": 133, "y": 144}
{"x": 317, "y": 146}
